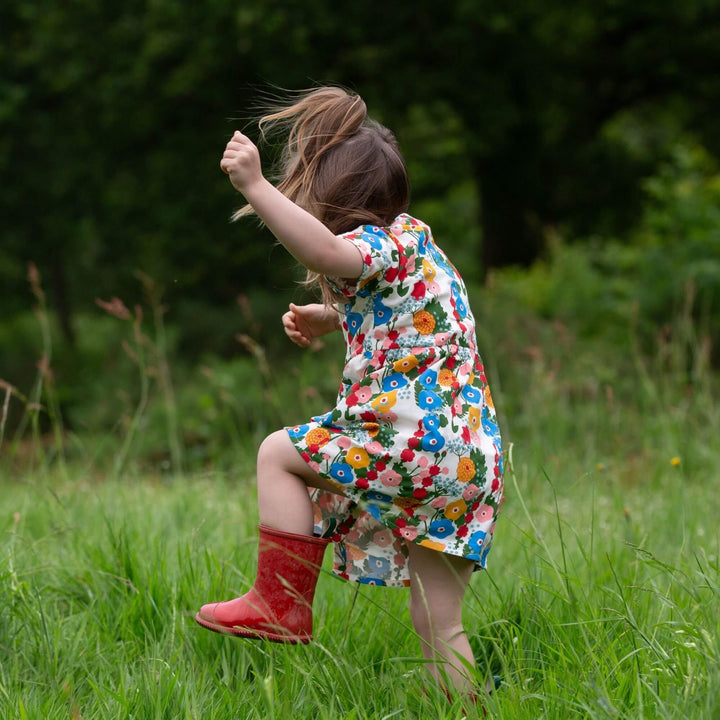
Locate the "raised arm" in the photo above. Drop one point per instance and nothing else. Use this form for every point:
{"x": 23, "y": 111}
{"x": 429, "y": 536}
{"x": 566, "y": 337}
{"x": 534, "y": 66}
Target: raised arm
{"x": 304, "y": 236}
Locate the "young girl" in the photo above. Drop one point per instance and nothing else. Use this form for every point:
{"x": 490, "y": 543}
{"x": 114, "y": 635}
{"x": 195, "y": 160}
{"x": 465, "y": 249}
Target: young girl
{"x": 405, "y": 471}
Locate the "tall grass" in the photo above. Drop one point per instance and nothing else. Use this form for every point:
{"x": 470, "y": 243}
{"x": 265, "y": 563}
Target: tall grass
{"x": 601, "y": 600}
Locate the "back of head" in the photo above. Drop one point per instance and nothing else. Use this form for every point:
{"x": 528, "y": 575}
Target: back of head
{"x": 338, "y": 164}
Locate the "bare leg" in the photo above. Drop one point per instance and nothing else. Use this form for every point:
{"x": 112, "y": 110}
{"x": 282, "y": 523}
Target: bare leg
{"x": 437, "y": 587}
{"x": 283, "y": 478}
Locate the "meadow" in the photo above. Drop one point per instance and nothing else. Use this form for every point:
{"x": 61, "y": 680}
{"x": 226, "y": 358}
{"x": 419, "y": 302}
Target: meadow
{"x": 600, "y": 601}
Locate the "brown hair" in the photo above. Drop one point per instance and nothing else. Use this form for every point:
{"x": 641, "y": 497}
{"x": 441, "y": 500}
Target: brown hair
{"x": 338, "y": 164}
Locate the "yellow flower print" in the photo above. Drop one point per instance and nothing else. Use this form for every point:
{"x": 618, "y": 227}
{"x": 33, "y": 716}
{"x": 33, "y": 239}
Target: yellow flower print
{"x": 433, "y": 545}
{"x": 357, "y": 457}
{"x": 465, "y": 470}
{"x": 456, "y": 509}
{"x": 371, "y": 428}
{"x": 474, "y": 417}
{"x": 446, "y": 377}
{"x": 488, "y": 398}
{"x": 428, "y": 271}
{"x": 407, "y": 502}
{"x": 354, "y": 552}
{"x": 406, "y": 364}
{"x": 423, "y": 322}
{"x": 317, "y": 436}
{"x": 383, "y": 403}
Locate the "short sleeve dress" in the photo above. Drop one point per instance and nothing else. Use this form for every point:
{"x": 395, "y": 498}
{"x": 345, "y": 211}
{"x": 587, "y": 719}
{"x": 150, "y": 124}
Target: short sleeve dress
{"x": 412, "y": 444}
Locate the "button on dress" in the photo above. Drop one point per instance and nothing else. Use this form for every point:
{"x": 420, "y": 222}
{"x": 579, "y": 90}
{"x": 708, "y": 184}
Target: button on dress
{"x": 412, "y": 444}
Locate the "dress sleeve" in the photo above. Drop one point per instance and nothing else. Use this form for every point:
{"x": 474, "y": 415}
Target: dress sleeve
{"x": 379, "y": 253}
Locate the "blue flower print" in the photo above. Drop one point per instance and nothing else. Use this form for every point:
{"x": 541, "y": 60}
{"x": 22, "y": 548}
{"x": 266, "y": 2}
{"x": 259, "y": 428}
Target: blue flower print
{"x": 394, "y": 382}
{"x": 429, "y": 400}
{"x": 378, "y": 565}
{"x": 381, "y": 313}
{"x": 476, "y": 540}
{"x": 441, "y": 528}
{"x": 298, "y": 431}
{"x": 429, "y": 378}
{"x": 375, "y": 496}
{"x": 341, "y": 472}
{"x": 373, "y": 510}
{"x": 371, "y": 581}
{"x": 372, "y": 238}
{"x": 472, "y": 394}
{"x": 484, "y": 553}
{"x": 354, "y": 321}
{"x": 433, "y": 442}
{"x": 490, "y": 427}
{"x": 431, "y": 422}
{"x": 460, "y": 306}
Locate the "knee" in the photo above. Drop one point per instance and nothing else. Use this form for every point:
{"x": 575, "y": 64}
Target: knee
{"x": 420, "y": 616}
{"x": 434, "y": 622}
{"x": 269, "y": 451}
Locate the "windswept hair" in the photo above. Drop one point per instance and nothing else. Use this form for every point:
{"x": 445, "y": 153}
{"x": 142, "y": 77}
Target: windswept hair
{"x": 344, "y": 168}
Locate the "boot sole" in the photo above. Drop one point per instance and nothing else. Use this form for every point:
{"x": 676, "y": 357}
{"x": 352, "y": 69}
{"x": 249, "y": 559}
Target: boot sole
{"x": 253, "y": 634}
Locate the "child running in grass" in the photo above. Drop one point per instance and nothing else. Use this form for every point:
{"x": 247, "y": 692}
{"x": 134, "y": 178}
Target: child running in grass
{"x": 405, "y": 472}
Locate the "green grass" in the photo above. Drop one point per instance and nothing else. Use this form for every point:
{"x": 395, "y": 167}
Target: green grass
{"x": 601, "y": 599}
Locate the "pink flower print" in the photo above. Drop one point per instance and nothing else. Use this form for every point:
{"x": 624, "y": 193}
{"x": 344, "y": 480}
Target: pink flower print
{"x": 409, "y": 533}
{"x": 470, "y": 492}
{"x": 439, "y": 503}
{"x": 352, "y": 535}
{"x": 344, "y": 442}
{"x": 399, "y": 559}
{"x": 390, "y": 478}
{"x": 363, "y": 394}
{"x": 422, "y": 461}
{"x": 379, "y": 335}
{"x": 484, "y": 513}
{"x": 374, "y": 448}
{"x": 314, "y": 466}
{"x": 442, "y": 338}
{"x": 457, "y": 407}
{"x": 383, "y": 538}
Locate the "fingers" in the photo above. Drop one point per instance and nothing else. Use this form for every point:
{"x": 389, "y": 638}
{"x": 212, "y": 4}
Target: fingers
{"x": 238, "y": 147}
{"x": 291, "y": 329}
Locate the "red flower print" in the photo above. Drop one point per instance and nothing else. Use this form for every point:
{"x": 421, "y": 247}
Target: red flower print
{"x": 407, "y": 455}
{"x": 362, "y": 483}
{"x": 414, "y": 442}
{"x": 380, "y": 466}
{"x": 401, "y": 523}
{"x": 418, "y": 291}
{"x": 462, "y": 531}
{"x": 427, "y": 482}
{"x": 420, "y": 493}
{"x": 391, "y": 274}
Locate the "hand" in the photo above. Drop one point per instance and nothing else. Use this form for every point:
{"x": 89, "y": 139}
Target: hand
{"x": 304, "y": 323}
{"x": 241, "y": 161}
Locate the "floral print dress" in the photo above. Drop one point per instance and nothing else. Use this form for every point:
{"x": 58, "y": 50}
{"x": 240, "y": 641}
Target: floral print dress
{"x": 412, "y": 444}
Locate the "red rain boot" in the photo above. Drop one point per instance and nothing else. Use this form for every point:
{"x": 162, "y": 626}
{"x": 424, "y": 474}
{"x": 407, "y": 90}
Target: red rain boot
{"x": 279, "y": 605}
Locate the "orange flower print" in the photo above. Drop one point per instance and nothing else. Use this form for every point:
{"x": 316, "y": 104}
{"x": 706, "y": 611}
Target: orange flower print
{"x": 317, "y": 436}
{"x": 465, "y": 470}
{"x": 406, "y": 364}
{"x": 357, "y": 457}
{"x": 423, "y": 322}
{"x": 406, "y": 502}
{"x": 455, "y": 510}
{"x": 371, "y": 428}
{"x": 474, "y": 418}
{"x": 446, "y": 377}
{"x": 488, "y": 398}
{"x": 433, "y": 545}
{"x": 384, "y": 402}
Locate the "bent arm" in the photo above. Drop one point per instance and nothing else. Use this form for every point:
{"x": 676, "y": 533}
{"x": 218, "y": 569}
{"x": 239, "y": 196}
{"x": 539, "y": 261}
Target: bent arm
{"x": 304, "y": 236}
